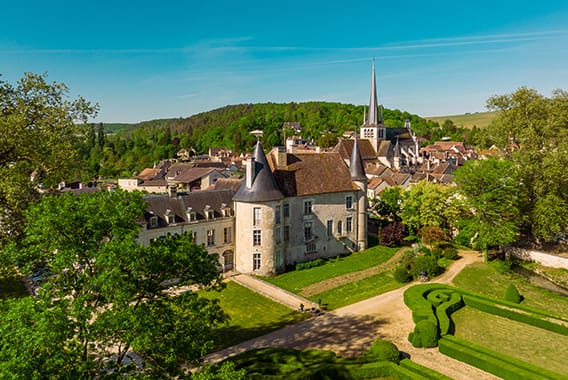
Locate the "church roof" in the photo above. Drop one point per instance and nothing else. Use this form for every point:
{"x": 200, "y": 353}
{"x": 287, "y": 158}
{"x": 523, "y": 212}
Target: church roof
{"x": 345, "y": 149}
{"x": 264, "y": 187}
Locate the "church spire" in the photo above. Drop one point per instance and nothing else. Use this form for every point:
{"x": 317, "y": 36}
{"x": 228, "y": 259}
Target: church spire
{"x": 373, "y": 118}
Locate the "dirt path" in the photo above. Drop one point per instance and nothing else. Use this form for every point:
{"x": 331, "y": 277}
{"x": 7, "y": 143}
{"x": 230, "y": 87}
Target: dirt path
{"x": 350, "y": 330}
{"x": 330, "y": 283}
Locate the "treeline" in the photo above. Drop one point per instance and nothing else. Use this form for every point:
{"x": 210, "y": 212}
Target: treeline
{"x": 130, "y": 150}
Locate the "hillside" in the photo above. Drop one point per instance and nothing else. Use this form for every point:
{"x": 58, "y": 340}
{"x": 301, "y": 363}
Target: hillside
{"x": 128, "y": 148}
{"x": 468, "y": 120}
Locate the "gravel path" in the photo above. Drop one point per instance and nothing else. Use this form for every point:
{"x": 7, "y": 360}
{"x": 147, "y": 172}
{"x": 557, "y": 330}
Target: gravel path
{"x": 350, "y": 330}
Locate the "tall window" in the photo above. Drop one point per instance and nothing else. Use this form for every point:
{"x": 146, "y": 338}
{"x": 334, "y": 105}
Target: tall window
{"x": 286, "y": 210}
{"x": 210, "y": 237}
{"x": 329, "y": 228}
{"x": 349, "y": 224}
{"x": 256, "y": 216}
{"x": 256, "y": 237}
{"x": 227, "y": 235}
{"x": 256, "y": 261}
{"x": 308, "y": 231}
{"x": 278, "y": 258}
{"x": 307, "y": 207}
{"x": 349, "y": 202}
{"x": 286, "y": 233}
{"x": 277, "y": 216}
{"x": 339, "y": 227}
{"x": 277, "y": 235}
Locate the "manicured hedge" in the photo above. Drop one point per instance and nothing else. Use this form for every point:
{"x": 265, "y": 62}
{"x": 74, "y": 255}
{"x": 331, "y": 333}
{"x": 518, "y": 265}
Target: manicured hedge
{"x": 416, "y": 299}
{"x": 371, "y": 370}
{"x": 515, "y": 312}
{"x": 425, "y": 372}
{"x": 446, "y": 309}
{"x": 494, "y": 362}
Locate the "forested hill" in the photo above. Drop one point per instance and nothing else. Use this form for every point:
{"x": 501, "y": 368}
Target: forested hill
{"x": 131, "y": 149}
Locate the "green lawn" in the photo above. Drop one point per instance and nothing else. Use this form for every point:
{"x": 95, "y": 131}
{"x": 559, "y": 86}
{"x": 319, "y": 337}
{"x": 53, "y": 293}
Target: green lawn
{"x": 295, "y": 281}
{"x": 357, "y": 291}
{"x": 485, "y": 279}
{"x": 534, "y": 345}
{"x": 12, "y": 287}
{"x": 251, "y": 315}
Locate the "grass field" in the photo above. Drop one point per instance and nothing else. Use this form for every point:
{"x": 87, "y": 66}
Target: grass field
{"x": 479, "y": 119}
{"x": 295, "y": 281}
{"x": 486, "y": 279}
{"x": 357, "y": 291}
{"x": 524, "y": 342}
{"x": 251, "y": 315}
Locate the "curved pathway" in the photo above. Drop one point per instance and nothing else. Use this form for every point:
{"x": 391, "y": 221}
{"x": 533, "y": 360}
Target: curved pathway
{"x": 350, "y": 330}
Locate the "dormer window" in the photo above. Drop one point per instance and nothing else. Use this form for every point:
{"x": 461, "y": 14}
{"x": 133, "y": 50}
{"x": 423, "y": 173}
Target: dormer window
{"x": 191, "y": 215}
{"x": 170, "y": 217}
{"x": 153, "y": 221}
{"x": 225, "y": 210}
{"x": 208, "y": 212}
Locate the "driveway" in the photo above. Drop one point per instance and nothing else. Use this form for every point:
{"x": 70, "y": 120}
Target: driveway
{"x": 350, "y": 330}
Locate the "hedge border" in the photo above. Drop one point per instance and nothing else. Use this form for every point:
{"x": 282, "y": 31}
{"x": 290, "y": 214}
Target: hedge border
{"x": 492, "y": 361}
{"x": 429, "y": 301}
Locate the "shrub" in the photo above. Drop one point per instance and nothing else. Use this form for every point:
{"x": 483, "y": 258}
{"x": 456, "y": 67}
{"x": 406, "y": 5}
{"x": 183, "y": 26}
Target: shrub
{"x": 428, "y": 265}
{"x": 393, "y": 234}
{"x": 512, "y": 294}
{"x": 402, "y": 275}
{"x": 425, "y": 334}
{"x": 450, "y": 253}
{"x": 382, "y": 350}
{"x": 310, "y": 264}
{"x": 432, "y": 234}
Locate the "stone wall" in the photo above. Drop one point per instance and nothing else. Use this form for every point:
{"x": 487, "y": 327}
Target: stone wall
{"x": 539, "y": 257}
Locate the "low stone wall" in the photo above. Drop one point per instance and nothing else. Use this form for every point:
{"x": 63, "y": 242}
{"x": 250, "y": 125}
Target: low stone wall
{"x": 539, "y": 257}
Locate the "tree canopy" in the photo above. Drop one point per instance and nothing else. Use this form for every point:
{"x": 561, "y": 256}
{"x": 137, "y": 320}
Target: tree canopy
{"x": 532, "y": 130}
{"x": 38, "y": 136}
{"x": 104, "y": 295}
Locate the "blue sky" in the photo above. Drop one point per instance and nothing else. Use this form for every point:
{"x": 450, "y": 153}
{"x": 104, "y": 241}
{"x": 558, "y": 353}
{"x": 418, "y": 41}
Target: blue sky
{"x": 145, "y": 60}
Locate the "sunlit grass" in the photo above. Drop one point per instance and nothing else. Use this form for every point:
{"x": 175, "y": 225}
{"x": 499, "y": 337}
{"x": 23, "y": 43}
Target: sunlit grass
{"x": 251, "y": 315}
{"x": 295, "y": 281}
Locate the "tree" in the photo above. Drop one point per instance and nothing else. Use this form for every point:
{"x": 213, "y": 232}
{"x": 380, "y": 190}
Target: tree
{"x": 532, "y": 131}
{"x": 387, "y": 206}
{"x": 393, "y": 234}
{"x": 430, "y": 204}
{"x": 106, "y": 295}
{"x": 38, "y": 137}
{"x": 491, "y": 193}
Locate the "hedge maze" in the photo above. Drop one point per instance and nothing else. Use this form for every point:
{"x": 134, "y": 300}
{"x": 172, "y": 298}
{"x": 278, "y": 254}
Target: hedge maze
{"x": 433, "y": 304}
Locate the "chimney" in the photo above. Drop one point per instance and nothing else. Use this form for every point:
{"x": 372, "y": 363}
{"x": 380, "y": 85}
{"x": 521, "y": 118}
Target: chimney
{"x": 249, "y": 172}
{"x": 281, "y": 157}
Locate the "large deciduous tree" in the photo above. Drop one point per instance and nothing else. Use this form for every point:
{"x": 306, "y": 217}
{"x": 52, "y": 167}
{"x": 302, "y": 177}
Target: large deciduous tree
{"x": 533, "y": 131}
{"x": 430, "y": 204}
{"x": 105, "y": 294}
{"x": 37, "y": 138}
{"x": 491, "y": 192}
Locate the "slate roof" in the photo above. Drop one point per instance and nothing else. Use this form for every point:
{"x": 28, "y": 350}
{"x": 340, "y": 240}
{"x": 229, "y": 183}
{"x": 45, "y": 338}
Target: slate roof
{"x": 356, "y": 164}
{"x": 264, "y": 187}
{"x": 312, "y": 173}
{"x": 178, "y": 205}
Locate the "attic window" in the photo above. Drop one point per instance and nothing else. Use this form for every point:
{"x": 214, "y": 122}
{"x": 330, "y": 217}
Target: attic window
{"x": 170, "y": 217}
{"x": 208, "y": 212}
{"x": 153, "y": 221}
{"x": 191, "y": 215}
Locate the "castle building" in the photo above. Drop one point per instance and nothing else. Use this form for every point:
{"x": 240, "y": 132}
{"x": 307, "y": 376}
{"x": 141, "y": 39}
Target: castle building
{"x": 297, "y": 207}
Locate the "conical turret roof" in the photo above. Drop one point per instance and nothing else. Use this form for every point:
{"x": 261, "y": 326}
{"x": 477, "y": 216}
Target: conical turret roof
{"x": 356, "y": 163}
{"x": 264, "y": 187}
{"x": 374, "y": 118}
